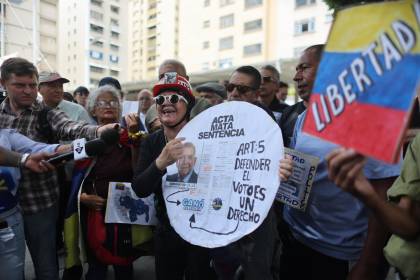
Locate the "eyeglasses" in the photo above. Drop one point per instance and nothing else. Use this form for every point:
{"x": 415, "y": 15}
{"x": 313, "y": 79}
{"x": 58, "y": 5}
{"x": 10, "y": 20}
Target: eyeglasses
{"x": 173, "y": 99}
{"x": 240, "y": 88}
{"x": 104, "y": 104}
{"x": 268, "y": 79}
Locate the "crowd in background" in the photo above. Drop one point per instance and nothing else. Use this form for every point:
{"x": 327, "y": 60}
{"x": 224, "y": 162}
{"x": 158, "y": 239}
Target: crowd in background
{"x": 363, "y": 215}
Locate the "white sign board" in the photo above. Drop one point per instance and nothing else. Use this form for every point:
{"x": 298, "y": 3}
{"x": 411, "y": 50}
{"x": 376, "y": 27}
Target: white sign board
{"x": 226, "y": 181}
{"x": 124, "y": 207}
{"x": 295, "y": 191}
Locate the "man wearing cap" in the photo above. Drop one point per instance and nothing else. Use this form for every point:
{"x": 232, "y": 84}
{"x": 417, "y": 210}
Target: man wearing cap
{"x": 174, "y": 257}
{"x": 51, "y": 89}
{"x": 214, "y": 93}
{"x": 39, "y": 193}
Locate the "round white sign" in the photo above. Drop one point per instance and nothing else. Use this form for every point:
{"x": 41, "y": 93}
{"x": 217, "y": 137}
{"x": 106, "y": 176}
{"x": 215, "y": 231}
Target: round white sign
{"x": 225, "y": 183}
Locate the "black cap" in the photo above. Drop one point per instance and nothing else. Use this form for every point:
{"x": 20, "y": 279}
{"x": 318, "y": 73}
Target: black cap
{"x": 213, "y": 87}
{"x": 110, "y": 81}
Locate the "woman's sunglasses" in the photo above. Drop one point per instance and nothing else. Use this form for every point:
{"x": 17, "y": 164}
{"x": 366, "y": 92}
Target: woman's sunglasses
{"x": 173, "y": 99}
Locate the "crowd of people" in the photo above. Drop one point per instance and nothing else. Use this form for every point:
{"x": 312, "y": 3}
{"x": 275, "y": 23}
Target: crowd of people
{"x": 355, "y": 205}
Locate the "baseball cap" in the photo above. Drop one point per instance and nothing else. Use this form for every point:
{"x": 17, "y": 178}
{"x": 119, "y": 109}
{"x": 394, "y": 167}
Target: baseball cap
{"x": 110, "y": 81}
{"x": 48, "y": 77}
{"x": 171, "y": 80}
{"x": 213, "y": 87}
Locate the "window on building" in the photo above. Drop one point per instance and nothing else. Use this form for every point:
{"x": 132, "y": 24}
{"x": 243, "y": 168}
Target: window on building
{"x": 252, "y": 3}
{"x": 96, "y": 15}
{"x": 253, "y": 49}
{"x": 206, "y": 3}
{"x": 206, "y": 44}
{"x": 225, "y": 63}
{"x": 114, "y": 47}
{"x": 96, "y": 43}
{"x": 96, "y": 28}
{"x": 115, "y": 9}
{"x": 115, "y": 34}
{"x": 3, "y": 8}
{"x": 114, "y": 22}
{"x": 206, "y": 23}
{"x": 97, "y": 3}
{"x": 113, "y": 58}
{"x": 226, "y": 21}
{"x": 96, "y": 69}
{"x": 96, "y": 55}
{"x": 94, "y": 82}
{"x": 114, "y": 73}
{"x": 305, "y": 26}
{"x": 301, "y": 3}
{"x": 253, "y": 25}
{"x": 226, "y": 43}
{"x": 329, "y": 17}
{"x": 226, "y": 2}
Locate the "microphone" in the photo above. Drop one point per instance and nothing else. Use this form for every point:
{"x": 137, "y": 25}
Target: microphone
{"x": 94, "y": 147}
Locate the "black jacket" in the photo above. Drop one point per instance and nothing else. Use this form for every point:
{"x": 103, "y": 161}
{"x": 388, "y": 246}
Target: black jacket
{"x": 147, "y": 177}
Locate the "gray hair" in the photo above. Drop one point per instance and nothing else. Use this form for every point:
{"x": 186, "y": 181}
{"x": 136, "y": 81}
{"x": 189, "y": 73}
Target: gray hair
{"x": 93, "y": 97}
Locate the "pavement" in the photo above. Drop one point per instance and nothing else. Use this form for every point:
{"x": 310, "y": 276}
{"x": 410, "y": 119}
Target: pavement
{"x": 144, "y": 268}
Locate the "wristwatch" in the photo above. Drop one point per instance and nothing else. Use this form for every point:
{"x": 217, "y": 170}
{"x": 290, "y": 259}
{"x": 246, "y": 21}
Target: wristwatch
{"x": 23, "y": 159}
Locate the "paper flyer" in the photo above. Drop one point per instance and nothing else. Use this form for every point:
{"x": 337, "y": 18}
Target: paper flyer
{"x": 123, "y": 206}
{"x": 296, "y": 190}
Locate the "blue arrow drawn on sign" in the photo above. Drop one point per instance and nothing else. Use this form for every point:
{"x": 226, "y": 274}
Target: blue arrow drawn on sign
{"x": 192, "y": 220}
{"x": 177, "y": 202}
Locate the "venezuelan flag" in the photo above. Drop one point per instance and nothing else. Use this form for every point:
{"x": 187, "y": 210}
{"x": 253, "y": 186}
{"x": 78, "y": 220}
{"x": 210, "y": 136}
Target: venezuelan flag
{"x": 71, "y": 219}
{"x": 367, "y": 78}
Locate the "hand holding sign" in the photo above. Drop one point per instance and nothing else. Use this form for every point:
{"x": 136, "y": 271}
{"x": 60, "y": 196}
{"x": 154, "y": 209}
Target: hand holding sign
{"x": 345, "y": 169}
{"x": 286, "y": 167}
{"x": 170, "y": 154}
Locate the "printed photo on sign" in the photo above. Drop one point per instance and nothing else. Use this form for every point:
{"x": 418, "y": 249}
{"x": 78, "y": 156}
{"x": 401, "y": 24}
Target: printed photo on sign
{"x": 367, "y": 79}
{"x": 185, "y": 166}
{"x": 226, "y": 180}
{"x": 123, "y": 206}
{"x": 296, "y": 190}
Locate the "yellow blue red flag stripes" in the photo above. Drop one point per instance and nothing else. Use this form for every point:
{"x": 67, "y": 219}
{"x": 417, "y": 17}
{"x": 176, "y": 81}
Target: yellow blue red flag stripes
{"x": 367, "y": 78}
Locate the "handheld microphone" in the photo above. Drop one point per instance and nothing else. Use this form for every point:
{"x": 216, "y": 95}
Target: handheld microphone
{"x": 94, "y": 147}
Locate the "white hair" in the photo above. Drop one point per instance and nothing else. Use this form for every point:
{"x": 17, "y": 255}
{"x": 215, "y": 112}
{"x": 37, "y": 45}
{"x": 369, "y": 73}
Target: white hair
{"x": 93, "y": 97}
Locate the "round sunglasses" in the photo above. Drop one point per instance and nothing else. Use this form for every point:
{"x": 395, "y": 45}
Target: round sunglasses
{"x": 173, "y": 99}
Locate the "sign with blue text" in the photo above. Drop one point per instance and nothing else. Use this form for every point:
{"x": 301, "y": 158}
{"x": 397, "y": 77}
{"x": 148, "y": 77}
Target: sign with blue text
{"x": 226, "y": 180}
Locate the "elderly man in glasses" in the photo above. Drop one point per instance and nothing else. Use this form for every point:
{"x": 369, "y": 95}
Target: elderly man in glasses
{"x": 175, "y": 258}
{"x": 270, "y": 78}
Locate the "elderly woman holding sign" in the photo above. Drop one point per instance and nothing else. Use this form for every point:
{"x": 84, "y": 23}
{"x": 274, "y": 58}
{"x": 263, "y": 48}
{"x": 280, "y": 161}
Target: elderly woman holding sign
{"x": 111, "y": 243}
{"x": 175, "y": 258}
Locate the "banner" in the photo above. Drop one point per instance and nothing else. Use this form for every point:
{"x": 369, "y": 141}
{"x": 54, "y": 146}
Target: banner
{"x": 225, "y": 183}
{"x": 367, "y": 78}
{"x": 124, "y": 207}
{"x": 296, "y": 190}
